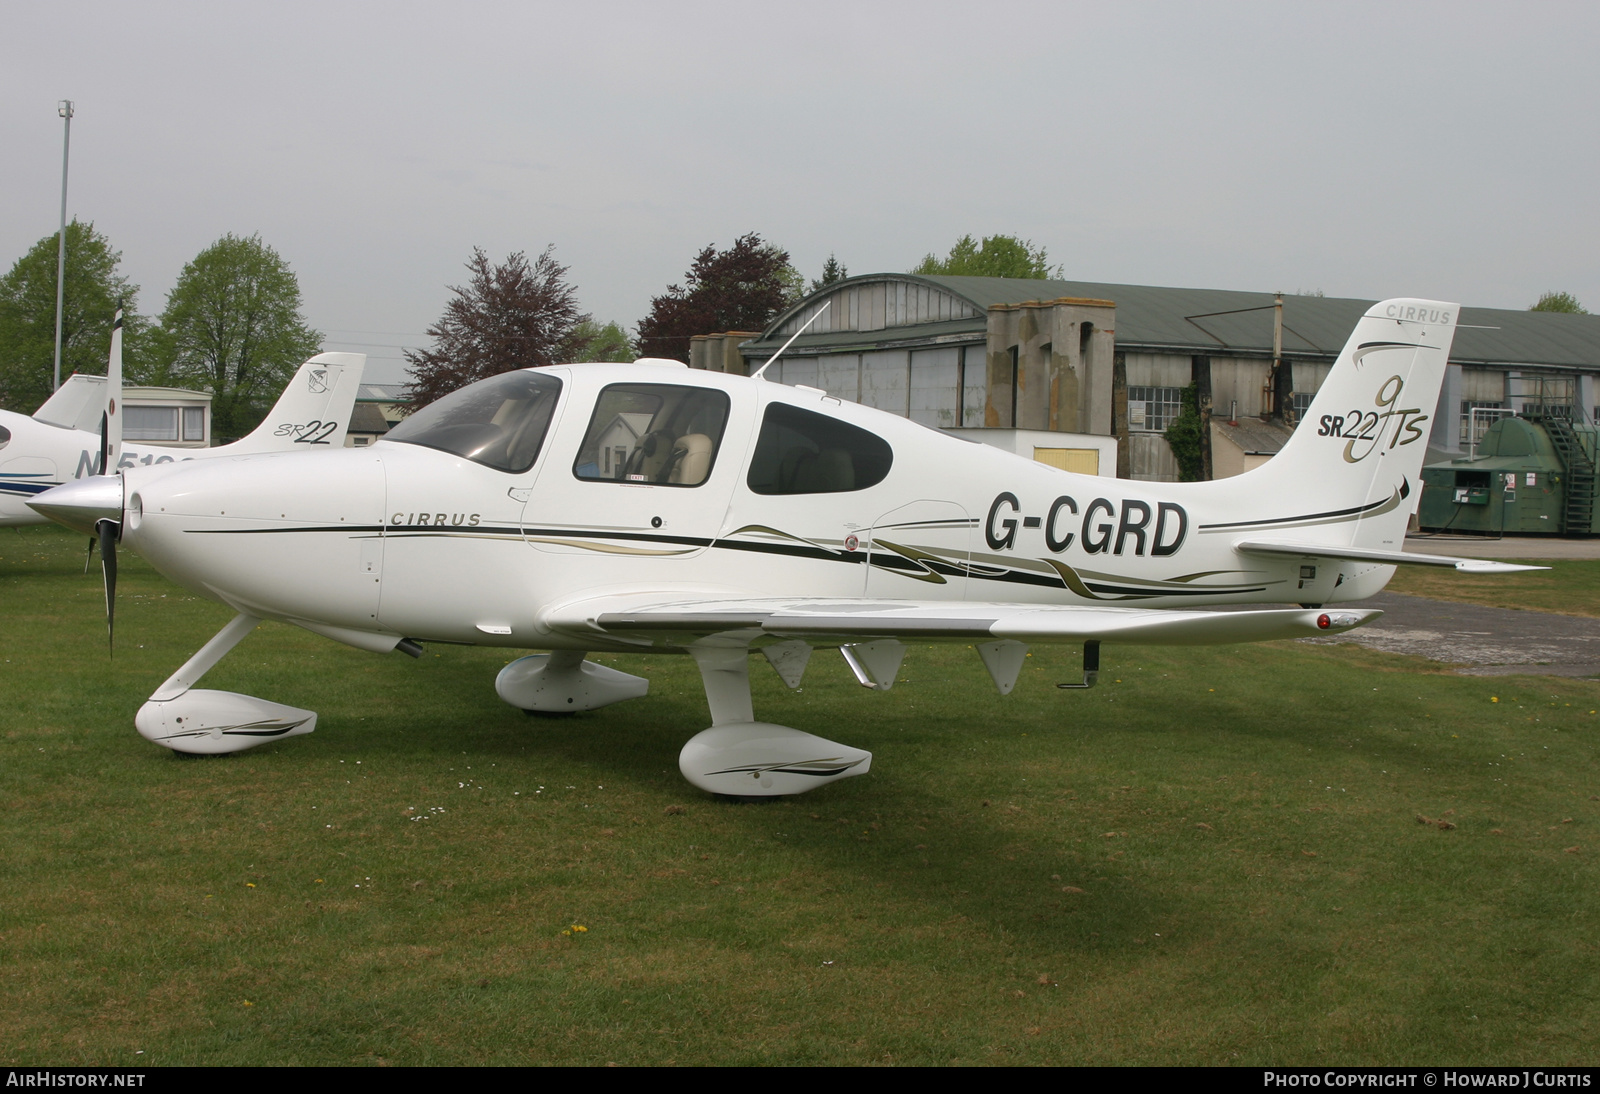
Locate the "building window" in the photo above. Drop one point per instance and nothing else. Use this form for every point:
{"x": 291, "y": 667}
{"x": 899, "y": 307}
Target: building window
{"x": 1302, "y": 404}
{"x": 1548, "y": 410}
{"x": 1484, "y": 420}
{"x": 1152, "y": 409}
{"x": 194, "y": 423}
{"x": 150, "y": 423}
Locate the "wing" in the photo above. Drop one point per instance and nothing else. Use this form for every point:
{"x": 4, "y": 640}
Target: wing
{"x": 818, "y": 621}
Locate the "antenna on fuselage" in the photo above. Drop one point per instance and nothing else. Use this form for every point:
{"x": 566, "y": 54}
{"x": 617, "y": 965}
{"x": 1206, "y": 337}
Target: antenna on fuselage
{"x": 756, "y": 375}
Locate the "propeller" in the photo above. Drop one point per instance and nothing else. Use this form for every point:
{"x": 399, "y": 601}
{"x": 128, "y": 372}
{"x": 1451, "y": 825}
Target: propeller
{"x": 108, "y": 532}
{"x": 105, "y": 530}
{"x": 111, "y": 420}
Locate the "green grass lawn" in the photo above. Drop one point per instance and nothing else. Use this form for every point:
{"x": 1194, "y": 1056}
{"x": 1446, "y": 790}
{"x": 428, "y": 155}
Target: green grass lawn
{"x": 1217, "y": 856}
{"x": 1570, "y": 586}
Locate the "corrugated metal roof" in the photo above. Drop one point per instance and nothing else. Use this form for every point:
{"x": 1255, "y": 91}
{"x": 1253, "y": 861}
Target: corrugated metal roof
{"x": 1225, "y": 322}
{"x": 951, "y": 330}
{"x": 1253, "y": 436}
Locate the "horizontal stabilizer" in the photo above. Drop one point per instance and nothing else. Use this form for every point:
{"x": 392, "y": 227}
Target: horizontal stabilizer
{"x": 1274, "y": 548}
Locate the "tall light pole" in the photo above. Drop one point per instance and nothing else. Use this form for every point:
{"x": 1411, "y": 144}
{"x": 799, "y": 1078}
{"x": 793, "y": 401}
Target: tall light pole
{"x": 64, "y": 108}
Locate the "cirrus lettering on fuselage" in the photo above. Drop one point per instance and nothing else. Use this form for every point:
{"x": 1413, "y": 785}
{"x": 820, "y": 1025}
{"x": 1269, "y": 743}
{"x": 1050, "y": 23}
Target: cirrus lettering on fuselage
{"x": 435, "y": 520}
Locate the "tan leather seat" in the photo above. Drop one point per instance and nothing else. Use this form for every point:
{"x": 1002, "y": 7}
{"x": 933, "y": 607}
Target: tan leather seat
{"x": 691, "y": 459}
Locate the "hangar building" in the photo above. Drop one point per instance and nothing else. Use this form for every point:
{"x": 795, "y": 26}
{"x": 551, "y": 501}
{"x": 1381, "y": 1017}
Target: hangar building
{"x": 1114, "y": 360}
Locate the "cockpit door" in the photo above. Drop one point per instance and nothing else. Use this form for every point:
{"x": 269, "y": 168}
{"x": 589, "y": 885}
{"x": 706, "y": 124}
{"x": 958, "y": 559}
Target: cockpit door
{"x": 646, "y": 474}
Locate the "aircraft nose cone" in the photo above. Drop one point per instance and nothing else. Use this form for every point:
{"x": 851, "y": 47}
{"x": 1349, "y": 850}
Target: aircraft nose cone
{"x": 81, "y": 503}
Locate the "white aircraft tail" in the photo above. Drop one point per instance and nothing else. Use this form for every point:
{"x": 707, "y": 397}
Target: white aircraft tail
{"x": 76, "y": 404}
{"x": 314, "y": 408}
{"x": 1350, "y": 475}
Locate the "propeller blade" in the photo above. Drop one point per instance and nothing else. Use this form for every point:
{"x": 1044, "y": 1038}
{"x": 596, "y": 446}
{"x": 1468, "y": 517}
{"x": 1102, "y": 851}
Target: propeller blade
{"x": 88, "y": 555}
{"x": 111, "y": 421}
{"x": 108, "y": 531}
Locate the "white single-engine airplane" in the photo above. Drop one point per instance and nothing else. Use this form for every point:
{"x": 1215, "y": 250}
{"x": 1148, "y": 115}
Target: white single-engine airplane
{"x": 66, "y": 438}
{"x": 649, "y": 508}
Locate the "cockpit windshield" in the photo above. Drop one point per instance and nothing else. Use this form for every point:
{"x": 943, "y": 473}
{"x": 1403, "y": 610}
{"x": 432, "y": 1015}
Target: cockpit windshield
{"x": 499, "y": 422}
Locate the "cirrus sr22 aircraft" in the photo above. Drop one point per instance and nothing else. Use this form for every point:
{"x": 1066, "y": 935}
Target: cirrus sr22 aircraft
{"x": 649, "y": 508}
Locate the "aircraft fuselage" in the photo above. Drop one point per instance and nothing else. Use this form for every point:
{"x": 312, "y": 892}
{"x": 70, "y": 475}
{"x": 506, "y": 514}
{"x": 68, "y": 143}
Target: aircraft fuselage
{"x": 403, "y": 539}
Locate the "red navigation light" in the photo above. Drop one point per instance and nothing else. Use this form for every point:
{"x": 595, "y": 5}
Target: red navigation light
{"x": 1323, "y": 622}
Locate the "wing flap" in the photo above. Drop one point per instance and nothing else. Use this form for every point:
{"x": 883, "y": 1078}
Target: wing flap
{"x": 834, "y": 621}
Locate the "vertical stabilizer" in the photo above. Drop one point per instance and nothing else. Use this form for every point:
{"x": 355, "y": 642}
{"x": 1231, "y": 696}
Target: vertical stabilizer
{"x": 314, "y": 409}
{"x": 76, "y": 404}
{"x": 1351, "y": 474}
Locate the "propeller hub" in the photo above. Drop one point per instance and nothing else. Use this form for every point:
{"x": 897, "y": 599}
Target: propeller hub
{"x": 81, "y": 504}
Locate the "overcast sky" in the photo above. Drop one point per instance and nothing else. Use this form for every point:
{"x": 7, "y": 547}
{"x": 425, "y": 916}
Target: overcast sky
{"x": 1440, "y": 150}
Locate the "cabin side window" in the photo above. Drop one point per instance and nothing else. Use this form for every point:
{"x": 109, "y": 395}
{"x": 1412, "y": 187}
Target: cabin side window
{"x": 653, "y": 433}
{"x": 800, "y": 452}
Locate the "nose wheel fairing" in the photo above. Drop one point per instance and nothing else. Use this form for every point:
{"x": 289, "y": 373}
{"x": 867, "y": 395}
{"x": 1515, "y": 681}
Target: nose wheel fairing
{"x": 208, "y": 723}
{"x": 213, "y": 722}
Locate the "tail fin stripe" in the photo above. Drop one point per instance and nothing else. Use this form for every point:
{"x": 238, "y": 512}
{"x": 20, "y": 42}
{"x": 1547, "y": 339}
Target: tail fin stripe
{"x": 1333, "y": 517}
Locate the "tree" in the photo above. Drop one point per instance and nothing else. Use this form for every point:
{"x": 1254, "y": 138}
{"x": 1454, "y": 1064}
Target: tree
{"x": 1185, "y": 436}
{"x": 742, "y": 288}
{"x": 832, "y": 271}
{"x": 232, "y": 325}
{"x": 28, "y": 316}
{"x": 998, "y": 256}
{"x": 1560, "y": 301}
{"x": 511, "y": 316}
{"x": 604, "y": 343}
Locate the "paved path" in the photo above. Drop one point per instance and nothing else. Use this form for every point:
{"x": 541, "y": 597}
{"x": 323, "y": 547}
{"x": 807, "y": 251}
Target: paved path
{"x": 1483, "y": 641}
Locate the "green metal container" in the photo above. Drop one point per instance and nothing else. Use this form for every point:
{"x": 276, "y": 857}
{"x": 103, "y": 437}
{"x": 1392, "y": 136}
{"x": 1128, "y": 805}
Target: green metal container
{"x": 1528, "y": 476}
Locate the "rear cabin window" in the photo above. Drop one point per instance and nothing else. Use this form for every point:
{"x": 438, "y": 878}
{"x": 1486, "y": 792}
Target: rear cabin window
{"x": 804, "y": 453}
{"x": 653, "y": 433}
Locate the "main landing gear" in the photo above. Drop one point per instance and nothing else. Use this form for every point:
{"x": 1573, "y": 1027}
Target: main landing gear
{"x": 738, "y": 756}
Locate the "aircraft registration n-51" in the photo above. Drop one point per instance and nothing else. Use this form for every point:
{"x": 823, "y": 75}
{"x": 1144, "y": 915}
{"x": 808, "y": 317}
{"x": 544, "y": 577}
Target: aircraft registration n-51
{"x": 64, "y": 439}
{"x": 646, "y": 508}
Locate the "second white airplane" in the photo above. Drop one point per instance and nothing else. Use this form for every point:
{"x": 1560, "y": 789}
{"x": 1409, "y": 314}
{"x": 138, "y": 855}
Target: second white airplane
{"x": 646, "y": 508}
{"x": 62, "y": 441}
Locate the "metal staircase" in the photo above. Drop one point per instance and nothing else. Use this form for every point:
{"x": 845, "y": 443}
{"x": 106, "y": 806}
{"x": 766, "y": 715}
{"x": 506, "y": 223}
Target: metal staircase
{"x": 1579, "y": 467}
